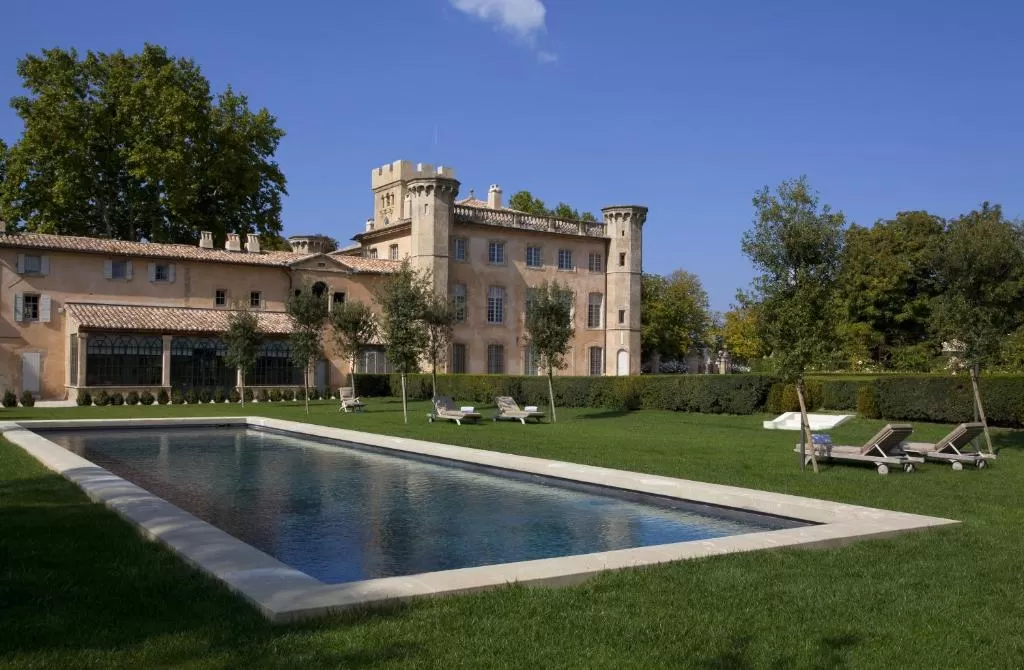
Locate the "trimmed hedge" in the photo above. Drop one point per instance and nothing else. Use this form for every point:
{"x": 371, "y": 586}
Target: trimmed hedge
{"x": 720, "y": 394}
{"x": 841, "y": 393}
{"x": 950, "y": 399}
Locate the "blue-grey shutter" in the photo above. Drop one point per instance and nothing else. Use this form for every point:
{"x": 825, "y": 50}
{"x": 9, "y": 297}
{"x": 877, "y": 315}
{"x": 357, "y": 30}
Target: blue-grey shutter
{"x": 152, "y": 272}
{"x": 19, "y": 307}
{"x": 170, "y": 273}
{"x": 128, "y": 270}
{"x": 108, "y": 269}
{"x": 44, "y": 265}
{"x": 44, "y": 308}
{"x": 21, "y": 264}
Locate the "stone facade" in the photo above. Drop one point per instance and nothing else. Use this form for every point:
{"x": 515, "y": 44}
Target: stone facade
{"x": 71, "y": 305}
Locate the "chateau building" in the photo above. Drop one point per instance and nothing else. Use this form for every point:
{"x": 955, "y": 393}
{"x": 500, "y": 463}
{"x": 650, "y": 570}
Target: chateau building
{"x": 88, "y": 313}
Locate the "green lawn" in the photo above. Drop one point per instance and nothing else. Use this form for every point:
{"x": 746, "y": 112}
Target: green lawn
{"x": 79, "y": 589}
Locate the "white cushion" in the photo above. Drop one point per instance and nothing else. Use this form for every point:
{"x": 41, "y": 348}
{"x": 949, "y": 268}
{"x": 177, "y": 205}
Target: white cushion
{"x": 466, "y": 409}
{"x": 530, "y": 408}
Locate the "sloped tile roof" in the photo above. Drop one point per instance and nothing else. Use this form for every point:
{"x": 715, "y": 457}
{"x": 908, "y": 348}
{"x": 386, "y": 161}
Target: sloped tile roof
{"x": 167, "y": 319}
{"x": 146, "y": 249}
{"x": 362, "y": 264}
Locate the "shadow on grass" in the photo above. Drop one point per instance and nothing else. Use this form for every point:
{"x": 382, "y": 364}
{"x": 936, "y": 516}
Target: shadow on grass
{"x": 834, "y": 651}
{"x": 605, "y": 414}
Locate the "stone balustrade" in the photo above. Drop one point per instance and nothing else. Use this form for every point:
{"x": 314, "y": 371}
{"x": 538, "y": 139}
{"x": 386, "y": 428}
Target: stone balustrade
{"x": 547, "y": 224}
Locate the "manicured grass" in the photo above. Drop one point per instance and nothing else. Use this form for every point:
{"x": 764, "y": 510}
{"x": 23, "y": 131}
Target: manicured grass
{"x": 79, "y": 589}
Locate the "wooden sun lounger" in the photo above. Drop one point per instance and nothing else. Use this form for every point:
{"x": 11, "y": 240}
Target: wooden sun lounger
{"x": 444, "y": 408}
{"x": 950, "y": 449}
{"x": 508, "y": 409}
{"x": 349, "y": 402}
{"x": 881, "y": 451}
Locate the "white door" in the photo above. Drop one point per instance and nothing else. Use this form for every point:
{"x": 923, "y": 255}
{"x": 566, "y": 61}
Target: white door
{"x": 622, "y": 364}
{"x": 30, "y": 372}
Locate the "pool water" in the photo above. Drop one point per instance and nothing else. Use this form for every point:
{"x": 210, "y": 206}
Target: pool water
{"x": 343, "y": 513}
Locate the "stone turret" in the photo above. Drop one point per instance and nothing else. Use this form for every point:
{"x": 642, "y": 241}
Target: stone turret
{"x": 624, "y": 226}
{"x": 431, "y": 201}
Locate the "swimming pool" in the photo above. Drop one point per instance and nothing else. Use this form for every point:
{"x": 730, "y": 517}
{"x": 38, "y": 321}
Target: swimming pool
{"x": 264, "y": 504}
{"x": 342, "y": 513}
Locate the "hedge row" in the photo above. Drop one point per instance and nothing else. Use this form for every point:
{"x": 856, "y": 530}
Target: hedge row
{"x": 713, "y": 394}
{"x": 950, "y": 399}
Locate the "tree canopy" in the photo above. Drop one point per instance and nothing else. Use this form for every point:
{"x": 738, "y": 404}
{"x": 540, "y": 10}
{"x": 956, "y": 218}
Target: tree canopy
{"x": 549, "y": 329}
{"x": 243, "y": 340}
{"x": 402, "y": 300}
{"x": 354, "y": 326}
{"x": 137, "y": 147}
{"x": 524, "y": 201}
{"x": 307, "y": 309}
{"x": 675, "y": 315}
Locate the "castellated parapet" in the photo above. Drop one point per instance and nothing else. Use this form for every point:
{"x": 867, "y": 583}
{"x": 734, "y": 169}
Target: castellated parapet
{"x": 404, "y": 171}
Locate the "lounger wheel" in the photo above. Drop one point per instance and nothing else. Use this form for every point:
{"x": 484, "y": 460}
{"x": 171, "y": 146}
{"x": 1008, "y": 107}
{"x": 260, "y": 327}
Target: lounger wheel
{"x": 982, "y": 463}
{"x": 883, "y": 469}
{"x": 957, "y": 466}
{"x": 908, "y": 467}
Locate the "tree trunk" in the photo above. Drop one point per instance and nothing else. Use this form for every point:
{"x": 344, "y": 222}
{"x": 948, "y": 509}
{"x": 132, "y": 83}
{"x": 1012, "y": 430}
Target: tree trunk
{"x": 433, "y": 376}
{"x": 405, "y": 405}
{"x": 305, "y": 395}
{"x": 980, "y": 408}
{"x": 352, "y": 376}
{"x": 805, "y": 424}
{"x": 241, "y": 389}
{"x": 551, "y": 397}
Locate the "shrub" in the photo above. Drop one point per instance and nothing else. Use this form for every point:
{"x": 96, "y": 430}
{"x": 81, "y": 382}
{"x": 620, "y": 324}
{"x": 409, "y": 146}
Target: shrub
{"x": 102, "y": 399}
{"x": 275, "y": 395}
{"x": 27, "y": 400}
{"x": 162, "y": 397}
{"x": 220, "y": 395}
{"x": 192, "y": 397}
{"x": 177, "y": 397}
{"x": 205, "y": 396}
{"x": 132, "y": 398}
{"x": 10, "y": 399}
{"x": 841, "y": 393}
{"x": 234, "y": 396}
{"x": 950, "y": 399}
{"x": 84, "y": 399}
{"x": 314, "y": 394}
{"x": 300, "y": 394}
{"x": 288, "y": 394}
{"x": 867, "y": 402}
{"x": 263, "y": 396}
{"x": 248, "y": 395}
{"x": 117, "y": 398}
{"x": 146, "y": 398}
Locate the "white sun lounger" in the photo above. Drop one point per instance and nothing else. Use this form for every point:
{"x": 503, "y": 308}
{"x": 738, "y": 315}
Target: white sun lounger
{"x": 882, "y": 450}
{"x": 950, "y": 449}
{"x": 444, "y": 408}
{"x": 349, "y": 402}
{"x": 508, "y": 409}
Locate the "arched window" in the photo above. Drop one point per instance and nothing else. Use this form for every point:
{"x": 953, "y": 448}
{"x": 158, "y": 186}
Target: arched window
{"x": 274, "y": 366}
{"x": 198, "y": 362}
{"x": 319, "y": 289}
{"x": 123, "y": 360}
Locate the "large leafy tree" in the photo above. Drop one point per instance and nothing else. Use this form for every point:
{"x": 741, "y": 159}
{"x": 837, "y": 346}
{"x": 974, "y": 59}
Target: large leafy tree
{"x": 886, "y": 286}
{"x": 439, "y": 325}
{"x": 675, "y": 315}
{"x": 354, "y": 327}
{"x": 138, "y": 147}
{"x": 741, "y": 331}
{"x": 980, "y": 300}
{"x": 795, "y": 246}
{"x": 243, "y": 341}
{"x": 308, "y": 311}
{"x": 549, "y": 329}
{"x": 402, "y": 300}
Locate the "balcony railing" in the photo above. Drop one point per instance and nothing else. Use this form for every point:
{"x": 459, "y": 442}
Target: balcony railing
{"x": 545, "y": 224}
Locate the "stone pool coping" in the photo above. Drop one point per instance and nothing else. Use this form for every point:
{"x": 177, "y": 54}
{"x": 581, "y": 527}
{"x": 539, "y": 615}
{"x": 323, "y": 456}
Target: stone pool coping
{"x": 283, "y": 593}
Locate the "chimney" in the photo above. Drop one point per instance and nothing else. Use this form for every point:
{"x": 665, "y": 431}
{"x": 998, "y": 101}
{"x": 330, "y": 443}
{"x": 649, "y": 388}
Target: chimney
{"x": 494, "y": 197}
{"x": 369, "y": 225}
{"x": 233, "y": 243}
{"x": 252, "y": 244}
{"x": 206, "y": 240}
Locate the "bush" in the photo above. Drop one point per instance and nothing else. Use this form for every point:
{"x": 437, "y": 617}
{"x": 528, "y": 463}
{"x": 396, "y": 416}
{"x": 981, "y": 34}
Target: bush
{"x": 234, "y": 396}
{"x": 314, "y": 394}
{"x": 275, "y": 395}
{"x": 146, "y": 398}
{"x": 220, "y": 395}
{"x": 950, "y": 399}
{"x": 192, "y": 397}
{"x": 300, "y": 394}
{"x": 117, "y": 398}
{"x": 84, "y": 399}
{"x": 248, "y": 395}
{"x": 102, "y": 399}
{"x": 867, "y": 402}
{"x": 162, "y": 397}
{"x": 205, "y": 396}
{"x": 177, "y": 397}
{"x": 783, "y": 398}
{"x": 10, "y": 399}
{"x": 132, "y": 398}
{"x": 263, "y": 396}
{"x": 841, "y": 393}
{"x": 289, "y": 394}
{"x": 27, "y": 400}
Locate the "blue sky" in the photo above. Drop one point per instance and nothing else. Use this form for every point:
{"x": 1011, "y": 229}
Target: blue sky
{"x": 686, "y": 107}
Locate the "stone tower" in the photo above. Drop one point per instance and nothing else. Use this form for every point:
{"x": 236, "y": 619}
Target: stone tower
{"x": 431, "y": 201}
{"x": 624, "y": 226}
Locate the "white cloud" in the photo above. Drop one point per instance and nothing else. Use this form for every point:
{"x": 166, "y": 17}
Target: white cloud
{"x": 523, "y": 18}
{"x": 547, "y": 57}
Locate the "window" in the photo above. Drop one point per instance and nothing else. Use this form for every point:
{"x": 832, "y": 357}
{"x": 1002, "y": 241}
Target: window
{"x": 459, "y": 248}
{"x": 495, "y": 359}
{"x": 274, "y": 366}
{"x": 220, "y": 298}
{"x": 531, "y": 366}
{"x": 496, "y": 305}
{"x": 256, "y": 299}
{"x": 372, "y": 360}
{"x": 458, "y": 358}
{"x": 393, "y": 252}
{"x": 596, "y": 361}
{"x": 123, "y": 360}
{"x": 119, "y": 269}
{"x": 496, "y": 253}
{"x": 533, "y": 258}
{"x": 565, "y": 259}
{"x": 161, "y": 272}
{"x": 372, "y": 253}
{"x": 459, "y": 302}
{"x": 73, "y": 362}
{"x": 622, "y": 316}
{"x": 338, "y": 298}
{"x": 595, "y": 302}
{"x": 531, "y": 299}
{"x": 30, "y": 307}
{"x": 33, "y": 265}
{"x": 199, "y": 362}
{"x": 594, "y": 262}
{"x": 622, "y": 260}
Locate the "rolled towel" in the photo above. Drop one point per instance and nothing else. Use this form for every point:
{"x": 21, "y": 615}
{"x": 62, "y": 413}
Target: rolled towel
{"x": 466, "y": 409}
{"x": 530, "y": 408}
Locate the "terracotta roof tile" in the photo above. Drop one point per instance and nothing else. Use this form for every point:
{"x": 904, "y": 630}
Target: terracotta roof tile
{"x": 167, "y": 319}
{"x": 146, "y": 249}
{"x": 363, "y": 264}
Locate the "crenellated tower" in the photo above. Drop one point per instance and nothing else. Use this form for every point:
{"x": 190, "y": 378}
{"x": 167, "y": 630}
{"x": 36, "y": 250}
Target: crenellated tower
{"x": 431, "y": 201}
{"x": 624, "y": 226}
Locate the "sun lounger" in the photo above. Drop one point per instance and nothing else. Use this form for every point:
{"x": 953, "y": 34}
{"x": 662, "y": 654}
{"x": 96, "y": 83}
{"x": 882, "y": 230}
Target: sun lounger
{"x": 508, "y": 409}
{"x": 950, "y": 449}
{"x": 349, "y": 402}
{"x": 444, "y": 408}
{"x": 882, "y": 450}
